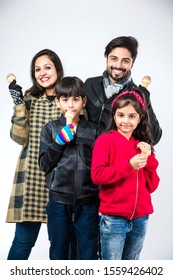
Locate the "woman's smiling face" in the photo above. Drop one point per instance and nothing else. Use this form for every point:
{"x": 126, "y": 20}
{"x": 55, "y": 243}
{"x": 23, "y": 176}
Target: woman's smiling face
{"x": 45, "y": 72}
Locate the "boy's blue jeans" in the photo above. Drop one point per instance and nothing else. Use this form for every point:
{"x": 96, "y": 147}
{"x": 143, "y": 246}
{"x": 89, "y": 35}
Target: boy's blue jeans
{"x": 122, "y": 239}
{"x": 62, "y": 218}
{"x": 26, "y": 234}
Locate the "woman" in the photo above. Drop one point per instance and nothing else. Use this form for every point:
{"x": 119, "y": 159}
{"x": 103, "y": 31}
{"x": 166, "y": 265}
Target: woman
{"x": 33, "y": 110}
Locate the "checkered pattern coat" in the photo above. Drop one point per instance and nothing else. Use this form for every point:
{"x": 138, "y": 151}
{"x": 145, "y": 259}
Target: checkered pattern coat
{"x": 29, "y": 194}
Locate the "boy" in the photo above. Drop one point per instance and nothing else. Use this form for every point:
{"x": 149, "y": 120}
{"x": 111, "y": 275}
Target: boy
{"x": 65, "y": 158}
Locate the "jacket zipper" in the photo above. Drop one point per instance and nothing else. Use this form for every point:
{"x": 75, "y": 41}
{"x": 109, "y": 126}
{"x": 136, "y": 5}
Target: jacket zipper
{"x": 136, "y": 196}
{"x": 74, "y": 202}
{"x": 103, "y": 106}
{"x": 98, "y": 126}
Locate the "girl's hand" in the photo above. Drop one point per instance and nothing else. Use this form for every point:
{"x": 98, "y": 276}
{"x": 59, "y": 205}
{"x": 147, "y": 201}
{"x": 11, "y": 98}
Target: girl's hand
{"x": 138, "y": 161}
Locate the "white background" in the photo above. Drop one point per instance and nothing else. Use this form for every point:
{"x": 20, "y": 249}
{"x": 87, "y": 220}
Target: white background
{"x": 79, "y": 30}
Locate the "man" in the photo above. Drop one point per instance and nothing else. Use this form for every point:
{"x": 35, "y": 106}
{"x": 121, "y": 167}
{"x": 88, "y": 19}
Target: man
{"x": 120, "y": 54}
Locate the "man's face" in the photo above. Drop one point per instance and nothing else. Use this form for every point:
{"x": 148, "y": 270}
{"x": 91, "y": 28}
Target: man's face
{"x": 119, "y": 63}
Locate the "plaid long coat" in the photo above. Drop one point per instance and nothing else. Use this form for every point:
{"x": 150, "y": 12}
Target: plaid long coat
{"x": 29, "y": 194}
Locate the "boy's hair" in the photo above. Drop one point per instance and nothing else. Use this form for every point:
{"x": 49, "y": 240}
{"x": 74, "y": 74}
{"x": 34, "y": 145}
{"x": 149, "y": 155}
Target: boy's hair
{"x": 70, "y": 86}
{"x": 142, "y": 131}
{"x": 127, "y": 42}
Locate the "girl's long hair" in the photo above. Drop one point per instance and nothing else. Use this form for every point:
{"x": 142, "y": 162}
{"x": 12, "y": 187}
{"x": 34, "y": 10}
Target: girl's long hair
{"x": 143, "y": 129}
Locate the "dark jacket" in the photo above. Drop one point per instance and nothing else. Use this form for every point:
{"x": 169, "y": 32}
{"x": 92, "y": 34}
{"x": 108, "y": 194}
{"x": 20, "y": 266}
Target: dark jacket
{"x": 99, "y": 107}
{"x": 68, "y": 167}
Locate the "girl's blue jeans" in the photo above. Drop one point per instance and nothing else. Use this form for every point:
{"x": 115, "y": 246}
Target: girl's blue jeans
{"x": 63, "y": 219}
{"x": 122, "y": 239}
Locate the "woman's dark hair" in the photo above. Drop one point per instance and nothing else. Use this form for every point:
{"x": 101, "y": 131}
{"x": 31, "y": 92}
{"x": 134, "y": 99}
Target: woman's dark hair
{"x": 70, "y": 86}
{"x": 127, "y": 42}
{"x": 143, "y": 130}
{"x": 36, "y": 90}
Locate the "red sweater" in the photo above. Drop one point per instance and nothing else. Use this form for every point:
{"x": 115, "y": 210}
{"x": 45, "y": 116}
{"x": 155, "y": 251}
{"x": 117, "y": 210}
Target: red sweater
{"x": 124, "y": 191}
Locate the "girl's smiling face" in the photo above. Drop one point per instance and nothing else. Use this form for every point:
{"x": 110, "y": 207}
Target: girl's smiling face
{"x": 126, "y": 120}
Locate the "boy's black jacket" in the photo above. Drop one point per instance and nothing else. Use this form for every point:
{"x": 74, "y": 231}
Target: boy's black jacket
{"x": 68, "y": 167}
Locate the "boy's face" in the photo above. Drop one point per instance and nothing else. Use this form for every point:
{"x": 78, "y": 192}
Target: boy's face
{"x": 71, "y": 107}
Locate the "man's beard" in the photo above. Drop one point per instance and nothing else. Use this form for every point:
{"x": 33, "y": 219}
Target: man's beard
{"x": 116, "y": 79}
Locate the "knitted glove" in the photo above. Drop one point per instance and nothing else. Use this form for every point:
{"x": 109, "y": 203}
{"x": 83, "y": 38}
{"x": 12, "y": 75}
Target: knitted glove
{"x": 16, "y": 93}
{"x": 65, "y": 135}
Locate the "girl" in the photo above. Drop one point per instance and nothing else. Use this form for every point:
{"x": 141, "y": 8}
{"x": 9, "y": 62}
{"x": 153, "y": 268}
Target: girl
{"x": 126, "y": 177}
